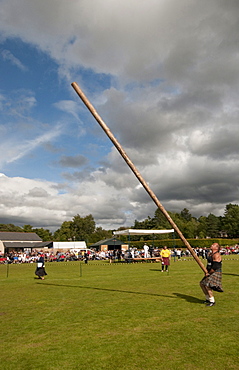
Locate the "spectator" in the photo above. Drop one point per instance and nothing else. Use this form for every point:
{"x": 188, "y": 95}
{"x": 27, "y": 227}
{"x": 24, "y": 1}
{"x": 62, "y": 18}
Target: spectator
{"x": 146, "y": 251}
{"x": 179, "y": 252}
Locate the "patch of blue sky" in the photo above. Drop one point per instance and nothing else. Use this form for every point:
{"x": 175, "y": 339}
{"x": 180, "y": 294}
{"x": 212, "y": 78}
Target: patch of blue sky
{"x": 43, "y": 161}
{"x": 36, "y": 165}
{"x": 93, "y": 84}
{"x": 35, "y": 75}
{"x": 38, "y": 70}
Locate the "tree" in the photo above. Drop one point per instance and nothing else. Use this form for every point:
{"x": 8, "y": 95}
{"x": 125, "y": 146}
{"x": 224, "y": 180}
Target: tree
{"x": 160, "y": 220}
{"x": 65, "y": 233}
{"x": 231, "y": 220}
{"x": 44, "y": 234}
{"x": 83, "y": 227}
{"x": 99, "y": 234}
{"x": 27, "y": 229}
{"x": 190, "y": 228}
{"x": 202, "y": 227}
{"x": 186, "y": 215}
{"x": 10, "y": 227}
{"x": 213, "y": 226}
{"x": 148, "y": 224}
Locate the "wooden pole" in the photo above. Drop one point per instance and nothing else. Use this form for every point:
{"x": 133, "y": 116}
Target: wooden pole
{"x": 136, "y": 172}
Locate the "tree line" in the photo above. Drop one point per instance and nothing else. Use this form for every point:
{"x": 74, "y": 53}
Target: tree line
{"x": 209, "y": 226}
{"x": 84, "y": 228}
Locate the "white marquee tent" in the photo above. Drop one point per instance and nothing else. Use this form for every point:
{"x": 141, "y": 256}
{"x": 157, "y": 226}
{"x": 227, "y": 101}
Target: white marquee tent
{"x": 142, "y": 232}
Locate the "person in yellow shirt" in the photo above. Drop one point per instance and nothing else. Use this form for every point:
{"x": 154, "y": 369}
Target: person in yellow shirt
{"x": 165, "y": 255}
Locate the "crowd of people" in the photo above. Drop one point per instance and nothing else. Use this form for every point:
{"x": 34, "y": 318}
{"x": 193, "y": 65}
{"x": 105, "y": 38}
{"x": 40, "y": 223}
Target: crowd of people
{"x": 111, "y": 255}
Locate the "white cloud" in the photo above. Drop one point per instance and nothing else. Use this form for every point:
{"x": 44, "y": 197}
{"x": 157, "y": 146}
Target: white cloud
{"x": 19, "y": 103}
{"x": 14, "y": 149}
{"x": 68, "y": 106}
{"x": 23, "y": 200}
{"x": 8, "y": 56}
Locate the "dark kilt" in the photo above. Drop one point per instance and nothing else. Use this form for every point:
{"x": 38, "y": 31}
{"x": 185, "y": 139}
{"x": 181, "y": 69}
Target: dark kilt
{"x": 40, "y": 271}
{"x": 165, "y": 261}
{"x": 213, "y": 281}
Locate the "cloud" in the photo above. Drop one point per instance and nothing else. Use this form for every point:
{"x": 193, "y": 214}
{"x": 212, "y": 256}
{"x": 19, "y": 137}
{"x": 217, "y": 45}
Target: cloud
{"x": 23, "y": 200}
{"x": 73, "y": 162}
{"x": 8, "y": 56}
{"x": 14, "y": 149}
{"x": 68, "y": 106}
{"x": 19, "y": 103}
{"x": 21, "y": 132}
{"x": 171, "y": 101}
{"x": 150, "y": 40}
{"x": 115, "y": 199}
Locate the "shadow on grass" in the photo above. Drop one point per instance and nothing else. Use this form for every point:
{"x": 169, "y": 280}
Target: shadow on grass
{"x": 108, "y": 290}
{"x": 188, "y": 298}
{"x": 159, "y": 270}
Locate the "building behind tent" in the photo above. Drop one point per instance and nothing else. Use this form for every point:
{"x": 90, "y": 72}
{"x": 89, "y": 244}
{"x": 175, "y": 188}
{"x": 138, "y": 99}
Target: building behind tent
{"x": 109, "y": 244}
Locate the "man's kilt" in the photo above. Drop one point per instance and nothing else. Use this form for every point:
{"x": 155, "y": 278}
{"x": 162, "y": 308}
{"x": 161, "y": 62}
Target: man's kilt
{"x": 165, "y": 261}
{"x": 213, "y": 281}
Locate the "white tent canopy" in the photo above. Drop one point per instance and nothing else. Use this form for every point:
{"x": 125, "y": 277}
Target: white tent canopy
{"x": 69, "y": 245}
{"x": 142, "y": 232}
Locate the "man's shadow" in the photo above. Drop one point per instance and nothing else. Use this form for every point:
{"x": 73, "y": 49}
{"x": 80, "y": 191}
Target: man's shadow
{"x": 107, "y": 289}
{"x": 188, "y": 298}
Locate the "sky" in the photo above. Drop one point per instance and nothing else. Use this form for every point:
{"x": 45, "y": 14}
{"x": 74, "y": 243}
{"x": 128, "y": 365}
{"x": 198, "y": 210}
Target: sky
{"x": 164, "y": 77}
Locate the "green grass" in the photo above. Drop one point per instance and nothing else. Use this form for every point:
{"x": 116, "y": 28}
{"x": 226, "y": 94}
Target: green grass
{"x": 119, "y": 316}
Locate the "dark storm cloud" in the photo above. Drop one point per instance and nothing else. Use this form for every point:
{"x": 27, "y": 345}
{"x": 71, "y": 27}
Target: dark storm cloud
{"x": 172, "y": 102}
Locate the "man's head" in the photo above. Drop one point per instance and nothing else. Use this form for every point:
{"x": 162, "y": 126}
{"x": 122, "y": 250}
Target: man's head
{"x": 215, "y": 247}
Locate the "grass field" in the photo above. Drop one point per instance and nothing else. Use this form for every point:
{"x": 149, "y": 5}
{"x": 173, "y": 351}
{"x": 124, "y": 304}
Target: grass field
{"x": 117, "y": 316}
